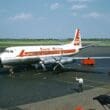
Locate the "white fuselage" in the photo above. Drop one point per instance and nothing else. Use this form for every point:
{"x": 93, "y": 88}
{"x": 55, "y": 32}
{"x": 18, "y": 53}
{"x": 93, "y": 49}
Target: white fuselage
{"x": 22, "y": 54}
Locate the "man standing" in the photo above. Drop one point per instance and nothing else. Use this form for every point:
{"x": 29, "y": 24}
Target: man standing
{"x": 80, "y": 84}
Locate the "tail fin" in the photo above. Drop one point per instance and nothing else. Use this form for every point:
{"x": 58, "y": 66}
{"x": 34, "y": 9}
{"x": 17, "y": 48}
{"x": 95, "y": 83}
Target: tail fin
{"x": 77, "y": 39}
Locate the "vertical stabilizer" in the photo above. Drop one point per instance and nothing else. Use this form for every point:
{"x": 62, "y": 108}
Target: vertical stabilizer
{"x": 77, "y": 39}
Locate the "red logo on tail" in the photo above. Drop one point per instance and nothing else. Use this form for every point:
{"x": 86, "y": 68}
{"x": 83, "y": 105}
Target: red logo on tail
{"x": 77, "y": 38}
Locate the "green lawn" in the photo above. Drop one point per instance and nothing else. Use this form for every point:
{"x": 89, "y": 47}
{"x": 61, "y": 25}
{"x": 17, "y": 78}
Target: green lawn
{"x": 98, "y": 42}
{"x": 17, "y": 42}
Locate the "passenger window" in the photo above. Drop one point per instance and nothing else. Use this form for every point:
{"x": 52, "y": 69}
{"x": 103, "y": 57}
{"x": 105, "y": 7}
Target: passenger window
{"x": 11, "y": 51}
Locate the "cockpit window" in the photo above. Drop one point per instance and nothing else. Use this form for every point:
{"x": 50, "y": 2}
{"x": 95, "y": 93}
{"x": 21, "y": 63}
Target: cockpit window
{"x": 8, "y": 51}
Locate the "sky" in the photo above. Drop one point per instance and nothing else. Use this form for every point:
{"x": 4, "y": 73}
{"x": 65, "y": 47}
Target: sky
{"x": 56, "y": 19}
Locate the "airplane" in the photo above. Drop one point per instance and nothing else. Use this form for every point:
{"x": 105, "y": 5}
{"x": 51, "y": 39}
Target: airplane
{"x": 54, "y": 55}
{"x": 41, "y": 55}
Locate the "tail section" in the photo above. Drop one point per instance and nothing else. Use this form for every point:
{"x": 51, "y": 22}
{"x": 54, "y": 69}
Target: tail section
{"x": 77, "y": 39}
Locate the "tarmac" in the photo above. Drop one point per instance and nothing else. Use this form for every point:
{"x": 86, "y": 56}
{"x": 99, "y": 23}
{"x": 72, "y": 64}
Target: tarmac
{"x": 34, "y": 90}
{"x": 70, "y": 102}
{"x": 84, "y": 100}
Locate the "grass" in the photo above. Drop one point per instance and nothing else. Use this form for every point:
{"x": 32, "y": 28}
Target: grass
{"x": 98, "y": 42}
{"x": 19, "y": 42}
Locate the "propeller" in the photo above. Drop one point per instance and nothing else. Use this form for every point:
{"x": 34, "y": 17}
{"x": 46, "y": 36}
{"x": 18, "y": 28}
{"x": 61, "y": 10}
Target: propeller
{"x": 58, "y": 63}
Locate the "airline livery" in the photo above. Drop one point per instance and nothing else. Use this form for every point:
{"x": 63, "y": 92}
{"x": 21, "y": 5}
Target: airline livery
{"x": 37, "y": 54}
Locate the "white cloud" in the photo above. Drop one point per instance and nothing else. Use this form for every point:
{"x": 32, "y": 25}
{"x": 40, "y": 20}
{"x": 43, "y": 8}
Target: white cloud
{"x": 21, "y": 16}
{"x": 94, "y": 15}
{"x": 78, "y": 1}
{"x": 78, "y": 7}
{"x": 54, "y": 6}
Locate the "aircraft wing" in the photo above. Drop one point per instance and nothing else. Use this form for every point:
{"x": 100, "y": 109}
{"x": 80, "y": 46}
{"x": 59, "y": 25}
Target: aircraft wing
{"x": 104, "y": 57}
{"x": 69, "y": 59}
{"x": 86, "y": 46}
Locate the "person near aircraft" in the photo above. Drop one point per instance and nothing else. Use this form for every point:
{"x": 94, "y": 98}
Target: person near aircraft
{"x": 80, "y": 84}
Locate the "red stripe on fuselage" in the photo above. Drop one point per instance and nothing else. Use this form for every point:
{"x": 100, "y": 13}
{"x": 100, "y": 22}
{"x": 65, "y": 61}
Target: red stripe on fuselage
{"x": 23, "y": 53}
